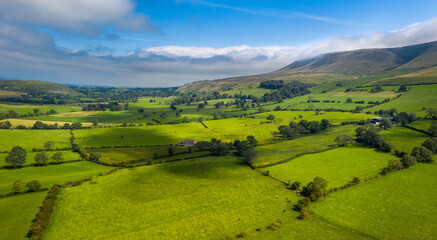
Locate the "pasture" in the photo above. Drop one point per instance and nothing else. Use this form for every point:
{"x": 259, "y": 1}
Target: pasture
{"x": 30, "y": 157}
{"x": 29, "y": 139}
{"x": 285, "y": 150}
{"x": 17, "y": 213}
{"x": 422, "y": 124}
{"x": 398, "y": 206}
{"x": 336, "y": 118}
{"x": 50, "y": 174}
{"x": 404, "y": 139}
{"x": 29, "y": 122}
{"x": 26, "y": 108}
{"x": 338, "y": 166}
{"x": 206, "y": 198}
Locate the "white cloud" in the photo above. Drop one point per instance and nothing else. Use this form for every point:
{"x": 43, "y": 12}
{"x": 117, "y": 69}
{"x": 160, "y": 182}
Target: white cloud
{"x": 29, "y": 54}
{"x": 78, "y": 16}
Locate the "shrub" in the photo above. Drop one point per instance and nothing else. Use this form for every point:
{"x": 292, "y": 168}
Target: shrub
{"x": 242, "y": 235}
{"x": 315, "y": 189}
{"x": 422, "y": 154}
{"x": 18, "y": 185}
{"x": 295, "y": 185}
{"x": 34, "y": 186}
{"x": 408, "y": 161}
{"x": 431, "y": 144}
{"x": 343, "y": 140}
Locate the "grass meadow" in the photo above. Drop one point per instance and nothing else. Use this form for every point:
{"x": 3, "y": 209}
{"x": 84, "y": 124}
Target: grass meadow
{"x": 336, "y": 118}
{"x": 29, "y": 139}
{"x": 338, "y": 166}
{"x": 285, "y": 150}
{"x": 17, "y": 213}
{"x": 26, "y": 108}
{"x": 404, "y": 139}
{"x": 49, "y": 175}
{"x": 422, "y": 124}
{"x": 398, "y": 206}
{"x": 30, "y": 122}
{"x": 206, "y": 198}
{"x": 30, "y": 157}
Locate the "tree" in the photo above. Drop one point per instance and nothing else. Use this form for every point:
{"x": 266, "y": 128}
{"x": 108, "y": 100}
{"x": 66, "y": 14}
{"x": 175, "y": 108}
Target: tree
{"x": 41, "y": 158}
{"x": 18, "y": 185}
{"x": 163, "y": 115}
{"x": 393, "y": 166}
{"x": 431, "y": 144}
{"x": 288, "y": 132}
{"x": 76, "y": 125}
{"x": 249, "y": 156}
{"x": 271, "y": 118}
{"x": 402, "y": 88}
{"x": 95, "y": 122}
{"x": 171, "y": 151}
{"x": 310, "y": 98}
{"x": 431, "y": 112}
{"x": 16, "y": 157}
{"x": 408, "y": 161}
{"x": 186, "y": 119}
{"x": 155, "y": 155}
{"x": 251, "y": 141}
{"x": 201, "y": 106}
{"x": 433, "y": 129}
{"x": 5, "y": 125}
{"x": 94, "y": 156}
{"x": 49, "y": 145}
{"x": 343, "y": 140}
{"x": 315, "y": 189}
{"x": 201, "y": 119}
{"x": 295, "y": 185}
{"x": 33, "y": 186}
{"x": 178, "y": 113}
{"x": 314, "y": 127}
{"x": 39, "y": 125}
{"x": 385, "y": 123}
{"x": 349, "y": 100}
{"x": 58, "y": 157}
{"x": 325, "y": 124}
{"x": 218, "y": 148}
{"x": 422, "y": 154}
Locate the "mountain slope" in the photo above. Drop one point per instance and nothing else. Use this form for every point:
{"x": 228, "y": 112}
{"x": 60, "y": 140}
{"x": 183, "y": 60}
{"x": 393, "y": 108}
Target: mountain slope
{"x": 340, "y": 66}
{"x": 36, "y": 87}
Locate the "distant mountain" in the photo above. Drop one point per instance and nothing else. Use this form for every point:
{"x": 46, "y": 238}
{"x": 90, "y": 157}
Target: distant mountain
{"x": 36, "y": 87}
{"x": 347, "y": 65}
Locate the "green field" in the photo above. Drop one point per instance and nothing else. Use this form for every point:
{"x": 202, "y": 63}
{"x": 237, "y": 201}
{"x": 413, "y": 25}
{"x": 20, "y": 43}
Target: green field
{"x": 29, "y": 139}
{"x": 338, "y": 166}
{"x": 126, "y": 155}
{"x": 284, "y": 150}
{"x": 422, "y": 124}
{"x": 205, "y": 198}
{"x": 26, "y": 108}
{"x": 336, "y": 118}
{"x": 404, "y": 139}
{"x": 17, "y": 212}
{"x": 30, "y": 157}
{"x": 398, "y": 206}
{"x": 49, "y": 175}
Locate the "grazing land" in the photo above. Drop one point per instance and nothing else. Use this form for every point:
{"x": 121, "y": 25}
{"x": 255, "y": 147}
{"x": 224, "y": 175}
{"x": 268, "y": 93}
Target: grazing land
{"x": 401, "y": 205}
{"x": 404, "y": 139}
{"x": 29, "y": 139}
{"x": 338, "y": 166}
{"x": 30, "y": 157}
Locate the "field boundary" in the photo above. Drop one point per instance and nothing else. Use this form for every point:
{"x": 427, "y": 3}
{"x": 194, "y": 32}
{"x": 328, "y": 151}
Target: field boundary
{"x": 418, "y": 130}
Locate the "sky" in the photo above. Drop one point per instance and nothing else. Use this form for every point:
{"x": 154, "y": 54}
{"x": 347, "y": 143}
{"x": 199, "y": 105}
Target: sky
{"x": 162, "y": 43}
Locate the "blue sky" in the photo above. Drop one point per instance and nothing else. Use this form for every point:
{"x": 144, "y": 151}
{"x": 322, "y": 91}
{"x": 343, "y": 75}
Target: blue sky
{"x": 173, "y": 42}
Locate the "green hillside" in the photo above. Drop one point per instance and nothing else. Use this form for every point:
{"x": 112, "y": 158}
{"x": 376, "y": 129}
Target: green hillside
{"x": 36, "y": 87}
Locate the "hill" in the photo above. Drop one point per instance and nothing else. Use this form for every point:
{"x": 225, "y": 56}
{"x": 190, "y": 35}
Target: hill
{"x": 409, "y": 65}
{"x": 36, "y": 87}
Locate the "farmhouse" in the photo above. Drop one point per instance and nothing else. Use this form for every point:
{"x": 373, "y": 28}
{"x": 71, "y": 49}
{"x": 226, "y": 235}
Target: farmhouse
{"x": 188, "y": 142}
{"x": 375, "y": 120}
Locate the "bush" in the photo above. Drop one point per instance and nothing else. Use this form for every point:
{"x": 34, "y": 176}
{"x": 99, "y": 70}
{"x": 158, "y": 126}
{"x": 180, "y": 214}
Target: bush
{"x": 431, "y": 144}
{"x": 422, "y": 154}
{"x": 34, "y": 186}
{"x": 315, "y": 189}
{"x": 295, "y": 185}
{"x": 17, "y": 187}
{"x": 408, "y": 161}
{"x": 343, "y": 140}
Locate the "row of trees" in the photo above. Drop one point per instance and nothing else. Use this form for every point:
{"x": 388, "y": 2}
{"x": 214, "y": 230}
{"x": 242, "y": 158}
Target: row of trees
{"x": 111, "y": 106}
{"x": 369, "y": 136}
{"x": 303, "y": 127}
{"x": 32, "y": 186}
{"x": 17, "y": 157}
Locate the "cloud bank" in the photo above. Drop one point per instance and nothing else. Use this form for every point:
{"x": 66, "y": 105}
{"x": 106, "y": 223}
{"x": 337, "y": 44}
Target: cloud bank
{"x": 26, "y": 53}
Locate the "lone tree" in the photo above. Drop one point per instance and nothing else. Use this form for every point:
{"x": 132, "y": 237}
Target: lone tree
{"x": 41, "y": 158}
{"x": 186, "y": 119}
{"x": 58, "y": 157}
{"x": 171, "y": 151}
{"x": 18, "y": 185}
{"x": 16, "y": 157}
{"x": 433, "y": 129}
{"x": 34, "y": 186}
{"x": 49, "y": 145}
{"x": 271, "y": 117}
{"x": 343, "y": 140}
{"x": 315, "y": 189}
{"x": 310, "y": 98}
{"x": 349, "y": 100}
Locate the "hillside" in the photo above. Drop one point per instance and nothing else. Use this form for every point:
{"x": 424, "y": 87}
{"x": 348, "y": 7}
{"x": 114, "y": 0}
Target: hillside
{"x": 410, "y": 65}
{"x": 36, "y": 87}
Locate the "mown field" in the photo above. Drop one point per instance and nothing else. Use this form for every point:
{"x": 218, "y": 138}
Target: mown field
{"x": 285, "y": 150}
{"x": 30, "y": 157}
{"x": 49, "y": 175}
{"x": 398, "y": 206}
{"x": 29, "y": 139}
{"x": 17, "y": 213}
{"x": 404, "y": 139}
{"x": 205, "y": 198}
{"x": 338, "y": 166}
